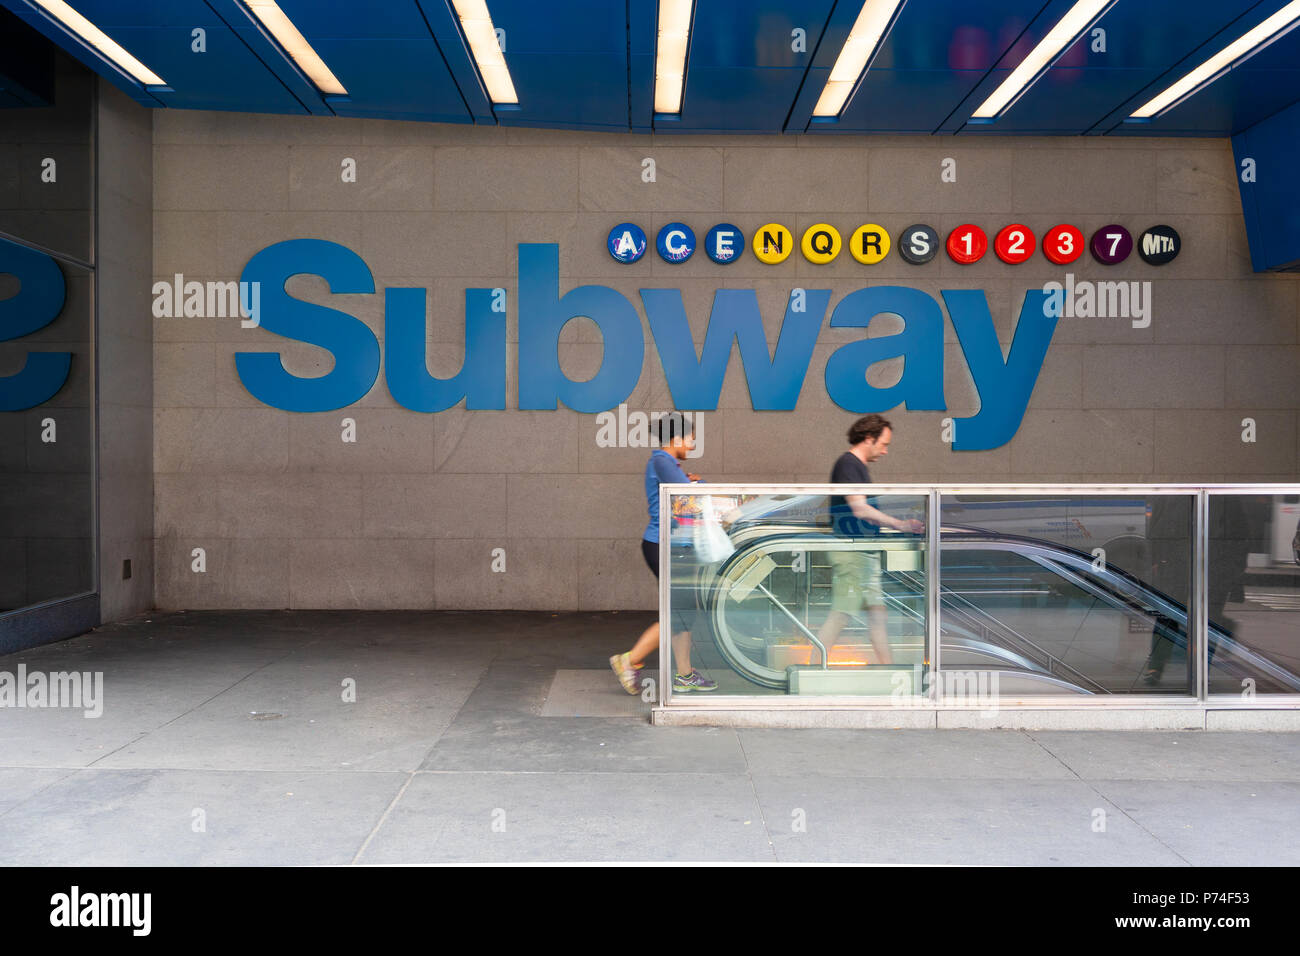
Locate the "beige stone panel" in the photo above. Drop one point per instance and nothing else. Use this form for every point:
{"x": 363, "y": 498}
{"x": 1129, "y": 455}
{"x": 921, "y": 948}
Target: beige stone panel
{"x": 1060, "y": 382}
{"x": 508, "y": 442}
{"x": 433, "y": 506}
{"x": 241, "y": 235}
{"x": 1199, "y": 179}
{"x": 186, "y": 242}
{"x": 1152, "y": 376}
{"x": 241, "y": 573}
{"x": 220, "y": 506}
{"x": 383, "y": 132}
{"x": 1256, "y": 311}
{"x": 908, "y": 180}
{"x": 124, "y": 510}
{"x": 1262, "y": 376}
{"x": 221, "y": 177}
{"x": 322, "y": 504}
{"x": 575, "y": 506}
{"x": 763, "y": 180}
{"x": 220, "y": 440}
{"x": 612, "y": 575}
{"x": 482, "y": 178}
{"x": 1070, "y": 181}
{"x": 443, "y": 244}
{"x": 686, "y": 177}
{"x": 387, "y": 441}
{"x": 387, "y": 178}
{"x": 393, "y": 574}
{"x": 1192, "y": 443}
{"x": 1118, "y": 444}
{"x": 218, "y": 128}
{"x": 540, "y": 574}
{"x": 184, "y": 374}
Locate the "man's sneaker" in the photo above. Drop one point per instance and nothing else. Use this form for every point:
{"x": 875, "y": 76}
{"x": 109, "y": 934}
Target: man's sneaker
{"x": 694, "y": 681}
{"x": 626, "y": 673}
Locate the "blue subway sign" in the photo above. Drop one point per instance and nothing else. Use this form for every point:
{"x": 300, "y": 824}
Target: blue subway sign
{"x": 695, "y": 379}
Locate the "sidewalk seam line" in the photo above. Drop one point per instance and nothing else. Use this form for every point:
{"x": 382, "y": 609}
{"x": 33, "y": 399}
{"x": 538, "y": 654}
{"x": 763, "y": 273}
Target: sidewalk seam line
{"x": 1094, "y": 789}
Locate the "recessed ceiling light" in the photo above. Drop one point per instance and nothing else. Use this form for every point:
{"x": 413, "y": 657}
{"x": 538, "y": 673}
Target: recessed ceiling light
{"x": 670, "y": 54}
{"x": 1209, "y": 71}
{"x": 483, "y": 46}
{"x": 1076, "y": 20}
{"x": 868, "y": 30}
{"x": 296, "y": 45}
{"x": 98, "y": 39}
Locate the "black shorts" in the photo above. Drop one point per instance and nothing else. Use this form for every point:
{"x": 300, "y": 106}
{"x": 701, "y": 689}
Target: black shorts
{"x": 684, "y": 598}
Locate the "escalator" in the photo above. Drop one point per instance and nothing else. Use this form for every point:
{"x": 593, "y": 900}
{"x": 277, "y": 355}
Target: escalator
{"x": 1040, "y": 616}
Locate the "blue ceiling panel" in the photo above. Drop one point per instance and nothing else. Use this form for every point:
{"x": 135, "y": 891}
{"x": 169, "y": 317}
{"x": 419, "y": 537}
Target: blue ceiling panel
{"x": 936, "y": 52}
{"x": 1252, "y": 91}
{"x": 753, "y": 66}
{"x": 226, "y": 75}
{"x": 568, "y": 61}
{"x": 237, "y": 16}
{"x": 1085, "y": 84}
{"x": 414, "y": 81}
{"x": 896, "y": 101}
{"x": 743, "y": 71}
{"x": 446, "y": 31}
{"x": 595, "y": 98}
{"x": 641, "y": 65}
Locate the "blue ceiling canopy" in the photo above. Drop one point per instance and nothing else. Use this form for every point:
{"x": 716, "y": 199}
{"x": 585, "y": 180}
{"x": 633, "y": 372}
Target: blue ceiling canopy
{"x": 752, "y": 66}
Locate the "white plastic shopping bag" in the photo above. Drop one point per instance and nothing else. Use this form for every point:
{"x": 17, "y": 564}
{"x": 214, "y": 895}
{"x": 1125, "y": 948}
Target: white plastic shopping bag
{"x": 711, "y": 542}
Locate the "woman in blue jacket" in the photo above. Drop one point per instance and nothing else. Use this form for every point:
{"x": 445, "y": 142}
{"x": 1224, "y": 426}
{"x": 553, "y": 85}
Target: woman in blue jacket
{"x": 676, "y": 441}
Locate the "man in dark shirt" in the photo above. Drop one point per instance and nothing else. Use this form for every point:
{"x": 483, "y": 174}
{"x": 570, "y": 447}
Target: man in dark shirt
{"x": 855, "y": 581}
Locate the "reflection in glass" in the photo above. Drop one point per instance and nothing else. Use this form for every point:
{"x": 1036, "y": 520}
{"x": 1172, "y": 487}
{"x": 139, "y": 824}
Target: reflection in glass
{"x": 797, "y": 607}
{"x": 1081, "y": 595}
{"x": 46, "y": 520}
{"x": 1254, "y": 592}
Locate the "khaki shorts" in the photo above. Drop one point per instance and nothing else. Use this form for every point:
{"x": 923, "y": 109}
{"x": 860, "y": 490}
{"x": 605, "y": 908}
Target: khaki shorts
{"x": 855, "y": 581}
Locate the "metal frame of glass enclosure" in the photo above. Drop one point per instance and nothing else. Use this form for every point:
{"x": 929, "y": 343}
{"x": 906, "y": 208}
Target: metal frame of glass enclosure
{"x": 1197, "y": 610}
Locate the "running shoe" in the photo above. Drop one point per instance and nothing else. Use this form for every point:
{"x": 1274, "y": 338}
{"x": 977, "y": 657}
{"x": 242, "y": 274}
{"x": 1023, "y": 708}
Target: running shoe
{"x": 694, "y": 681}
{"x": 626, "y": 673}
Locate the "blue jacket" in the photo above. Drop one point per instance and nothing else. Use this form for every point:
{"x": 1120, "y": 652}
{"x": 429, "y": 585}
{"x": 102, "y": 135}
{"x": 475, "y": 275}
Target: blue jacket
{"x": 662, "y": 468}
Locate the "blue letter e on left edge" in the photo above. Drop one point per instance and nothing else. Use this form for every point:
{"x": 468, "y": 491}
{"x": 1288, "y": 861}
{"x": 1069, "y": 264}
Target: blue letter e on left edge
{"x": 37, "y": 303}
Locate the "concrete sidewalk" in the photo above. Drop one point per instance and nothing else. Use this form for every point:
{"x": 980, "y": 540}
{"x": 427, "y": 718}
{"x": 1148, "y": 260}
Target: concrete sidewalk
{"x": 225, "y": 739}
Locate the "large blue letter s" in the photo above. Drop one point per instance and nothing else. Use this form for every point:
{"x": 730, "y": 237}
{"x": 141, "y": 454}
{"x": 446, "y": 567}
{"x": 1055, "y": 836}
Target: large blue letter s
{"x": 354, "y": 346}
{"x": 38, "y": 303}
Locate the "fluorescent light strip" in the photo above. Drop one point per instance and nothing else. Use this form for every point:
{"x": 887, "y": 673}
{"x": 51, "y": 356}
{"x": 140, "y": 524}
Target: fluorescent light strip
{"x": 868, "y": 30}
{"x": 1067, "y": 29}
{"x": 670, "y": 54}
{"x": 296, "y": 45}
{"x": 1211, "y": 68}
{"x": 98, "y": 39}
{"x": 482, "y": 38}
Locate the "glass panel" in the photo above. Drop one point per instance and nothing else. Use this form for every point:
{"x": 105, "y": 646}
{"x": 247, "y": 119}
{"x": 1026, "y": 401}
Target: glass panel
{"x": 1078, "y": 595}
{"x": 46, "y": 524}
{"x": 796, "y": 594}
{"x": 46, "y": 321}
{"x": 1254, "y": 594}
{"x": 46, "y": 161}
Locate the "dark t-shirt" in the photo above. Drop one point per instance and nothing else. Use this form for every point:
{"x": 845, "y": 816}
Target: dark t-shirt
{"x": 850, "y": 470}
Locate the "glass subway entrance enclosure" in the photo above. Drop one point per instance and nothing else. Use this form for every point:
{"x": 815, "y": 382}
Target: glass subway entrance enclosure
{"x": 991, "y": 594}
